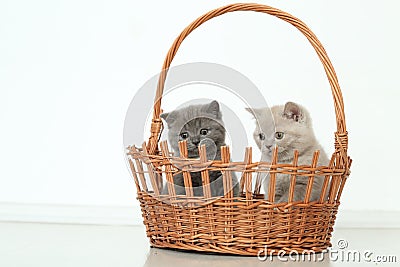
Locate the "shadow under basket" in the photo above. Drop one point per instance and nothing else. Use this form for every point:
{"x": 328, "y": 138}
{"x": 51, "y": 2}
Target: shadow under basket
{"x": 246, "y": 224}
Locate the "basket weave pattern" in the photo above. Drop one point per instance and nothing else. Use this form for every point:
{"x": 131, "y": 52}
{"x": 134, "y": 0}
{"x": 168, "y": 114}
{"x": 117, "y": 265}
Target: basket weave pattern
{"x": 245, "y": 224}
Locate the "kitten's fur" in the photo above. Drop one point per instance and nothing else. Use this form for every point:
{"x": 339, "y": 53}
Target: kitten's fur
{"x": 294, "y": 122}
{"x": 192, "y": 120}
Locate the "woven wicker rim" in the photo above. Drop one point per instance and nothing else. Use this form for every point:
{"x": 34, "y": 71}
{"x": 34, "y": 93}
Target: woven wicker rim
{"x": 341, "y": 138}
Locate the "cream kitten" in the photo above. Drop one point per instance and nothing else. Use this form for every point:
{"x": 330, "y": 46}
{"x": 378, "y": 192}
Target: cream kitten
{"x": 289, "y": 128}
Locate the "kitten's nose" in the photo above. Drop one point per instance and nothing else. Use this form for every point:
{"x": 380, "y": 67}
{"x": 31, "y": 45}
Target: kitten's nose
{"x": 196, "y": 142}
{"x": 268, "y": 146}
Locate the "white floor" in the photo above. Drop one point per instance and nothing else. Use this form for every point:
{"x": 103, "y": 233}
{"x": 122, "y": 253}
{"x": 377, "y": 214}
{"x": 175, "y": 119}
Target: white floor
{"x": 34, "y": 244}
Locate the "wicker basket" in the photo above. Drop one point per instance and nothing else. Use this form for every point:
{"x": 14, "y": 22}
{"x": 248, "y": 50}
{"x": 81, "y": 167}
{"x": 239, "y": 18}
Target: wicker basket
{"x": 247, "y": 224}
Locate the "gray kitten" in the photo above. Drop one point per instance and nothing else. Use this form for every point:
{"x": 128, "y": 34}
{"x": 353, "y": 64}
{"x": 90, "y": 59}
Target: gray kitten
{"x": 289, "y": 128}
{"x": 198, "y": 125}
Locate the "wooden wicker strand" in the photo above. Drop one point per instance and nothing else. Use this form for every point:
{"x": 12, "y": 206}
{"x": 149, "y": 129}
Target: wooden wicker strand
{"x": 334, "y": 188}
{"x": 207, "y": 188}
{"x": 338, "y": 181}
{"x": 227, "y": 175}
{"x": 291, "y": 192}
{"x": 204, "y": 173}
{"x": 344, "y": 179}
{"x": 293, "y": 176}
{"x": 228, "y": 191}
{"x": 341, "y": 134}
{"x": 152, "y": 173}
{"x": 247, "y": 176}
{"x": 325, "y": 184}
{"x": 187, "y": 179}
{"x": 272, "y": 176}
{"x": 171, "y": 188}
{"x": 168, "y": 171}
{"x": 311, "y": 179}
{"x": 133, "y": 170}
{"x": 140, "y": 170}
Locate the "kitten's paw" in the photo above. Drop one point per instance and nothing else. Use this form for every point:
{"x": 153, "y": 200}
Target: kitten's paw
{"x": 211, "y": 148}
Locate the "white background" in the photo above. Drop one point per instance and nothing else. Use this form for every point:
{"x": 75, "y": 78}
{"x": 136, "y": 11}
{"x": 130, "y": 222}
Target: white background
{"x": 69, "y": 69}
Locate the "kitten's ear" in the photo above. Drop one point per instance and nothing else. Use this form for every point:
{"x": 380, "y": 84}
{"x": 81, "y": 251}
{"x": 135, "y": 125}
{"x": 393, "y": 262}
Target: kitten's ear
{"x": 164, "y": 116}
{"x": 253, "y": 111}
{"x": 293, "y": 111}
{"x": 213, "y": 108}
{"x": 168, "y": 117}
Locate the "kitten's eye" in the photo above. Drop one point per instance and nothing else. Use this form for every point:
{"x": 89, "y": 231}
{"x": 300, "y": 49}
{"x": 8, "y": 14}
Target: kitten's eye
{"x": 184, "y": 135}
{"x": 261, "y": 136}
{"x": 203, "y": 131}
{"x": 279, "y": 135}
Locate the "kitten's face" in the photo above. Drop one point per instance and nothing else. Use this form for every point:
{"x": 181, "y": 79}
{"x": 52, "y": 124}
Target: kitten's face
{"x": 201, "y": 131}
{"x": 198, "y": 125}
{"x": 287, "y": 127}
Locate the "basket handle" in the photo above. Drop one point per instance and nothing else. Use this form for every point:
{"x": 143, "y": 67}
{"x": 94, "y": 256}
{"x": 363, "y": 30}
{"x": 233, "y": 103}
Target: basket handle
{"x": 341, "y": 134}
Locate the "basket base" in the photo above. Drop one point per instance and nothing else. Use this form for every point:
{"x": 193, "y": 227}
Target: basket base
{"x": 237, "y": 227}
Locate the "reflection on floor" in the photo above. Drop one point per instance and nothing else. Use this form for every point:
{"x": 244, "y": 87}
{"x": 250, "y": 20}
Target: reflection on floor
{"x": 32, "y": 244}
